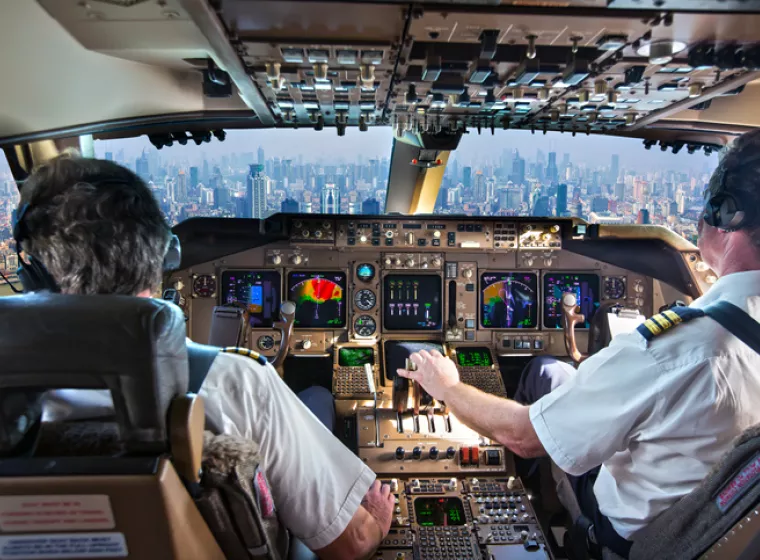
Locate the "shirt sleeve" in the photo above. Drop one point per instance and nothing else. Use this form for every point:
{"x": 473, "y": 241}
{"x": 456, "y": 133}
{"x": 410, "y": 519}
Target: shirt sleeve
{"x": 317, "y": 483}
{"x": 594, "y": 414}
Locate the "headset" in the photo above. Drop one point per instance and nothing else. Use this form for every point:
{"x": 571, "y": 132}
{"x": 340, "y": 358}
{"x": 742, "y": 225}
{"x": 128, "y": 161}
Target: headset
{"x": 725, "y": 210}
{"x": 35, "y": 277}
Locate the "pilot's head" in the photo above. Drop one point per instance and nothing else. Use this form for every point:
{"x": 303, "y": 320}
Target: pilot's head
{"x": 95, "y": 226}
{"x": 729, "y": 231}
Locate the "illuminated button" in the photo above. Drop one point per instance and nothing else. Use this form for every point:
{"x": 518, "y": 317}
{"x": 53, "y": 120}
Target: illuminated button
{"x": 437, "y": 234}
{"x": 464, "y": 456}
{"x": 469, "y": 323}
{"x": 475, "y": 455}
{"x": 363, "y": 239}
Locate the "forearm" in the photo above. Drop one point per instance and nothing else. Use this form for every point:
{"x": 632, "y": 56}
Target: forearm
{"x": 358, "y": 541}
{"x": 502, "y": 420}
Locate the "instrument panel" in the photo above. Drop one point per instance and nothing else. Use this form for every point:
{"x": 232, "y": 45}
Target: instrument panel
{"x": 497, "y": 283}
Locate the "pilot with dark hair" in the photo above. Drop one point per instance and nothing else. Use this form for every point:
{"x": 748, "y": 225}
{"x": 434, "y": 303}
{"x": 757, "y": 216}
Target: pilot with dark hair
{"x": 642, "y": 422}
{"x": 97, "y": 229}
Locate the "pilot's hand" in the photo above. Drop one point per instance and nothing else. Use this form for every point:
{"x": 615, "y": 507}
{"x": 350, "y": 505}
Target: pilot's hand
{"x": 435, "y": 372}
{"x": 379, "y": 502}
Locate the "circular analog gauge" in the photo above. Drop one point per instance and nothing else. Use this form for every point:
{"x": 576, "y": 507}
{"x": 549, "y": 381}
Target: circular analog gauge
{"x": 365, "y": 272}
{"x": 614, "y": 287}
{"x": 266, "y": 342}
{"x": 204, "y": 286}
{"x": 365, "y": 299}
{"x": 365, "y": 326}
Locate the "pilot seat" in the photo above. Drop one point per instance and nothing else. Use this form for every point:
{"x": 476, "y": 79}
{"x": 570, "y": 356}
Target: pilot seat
{"x": 144, "y": 482}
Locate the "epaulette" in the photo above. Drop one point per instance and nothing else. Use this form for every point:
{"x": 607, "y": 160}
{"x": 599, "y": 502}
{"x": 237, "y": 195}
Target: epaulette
{"x": 245, "y": 352}
{"x": 658, "y": 324}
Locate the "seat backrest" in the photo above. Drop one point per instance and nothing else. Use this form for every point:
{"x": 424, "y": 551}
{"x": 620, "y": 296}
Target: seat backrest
{"x": 117, "y": 486}
{"x": 718, "y": 519}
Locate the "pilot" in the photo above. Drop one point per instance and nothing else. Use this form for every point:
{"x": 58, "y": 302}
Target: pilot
{"x": 642, "y": 422}
{"x": 97, "y": 229}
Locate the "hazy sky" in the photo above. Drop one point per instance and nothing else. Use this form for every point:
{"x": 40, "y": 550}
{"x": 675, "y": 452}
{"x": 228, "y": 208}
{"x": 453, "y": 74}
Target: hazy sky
{"x": 327, "y": 146}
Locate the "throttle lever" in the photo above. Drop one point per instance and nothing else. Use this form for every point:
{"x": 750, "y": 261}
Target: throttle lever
{"x": 571, "y": 316}
{"x": 285, "y": 326}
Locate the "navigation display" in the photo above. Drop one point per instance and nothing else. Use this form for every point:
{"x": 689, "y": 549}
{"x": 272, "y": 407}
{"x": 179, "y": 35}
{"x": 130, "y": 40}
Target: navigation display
{"x": 508, "y": 300}
{"x": 320, "y": 299}
{"x": 474, "y": 356}
{"x": 356, "y": 357}
{"x": 412, "y": 302}
{"x": 257, "y": 290}
{"x": 586, "y": 289}
{"x": 439, "y": 512}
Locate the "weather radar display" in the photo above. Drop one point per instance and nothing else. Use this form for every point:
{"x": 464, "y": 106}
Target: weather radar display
{"x": 319, "y": 298}
{"x": 508, "y": 300}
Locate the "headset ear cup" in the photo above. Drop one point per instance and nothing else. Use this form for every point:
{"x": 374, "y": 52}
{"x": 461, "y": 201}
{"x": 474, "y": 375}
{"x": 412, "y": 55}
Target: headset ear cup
{"x": 35, "y": 277}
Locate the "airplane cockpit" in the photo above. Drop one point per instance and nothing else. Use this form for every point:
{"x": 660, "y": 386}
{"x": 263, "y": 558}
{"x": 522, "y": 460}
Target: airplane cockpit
{"x": 336, "y": 261}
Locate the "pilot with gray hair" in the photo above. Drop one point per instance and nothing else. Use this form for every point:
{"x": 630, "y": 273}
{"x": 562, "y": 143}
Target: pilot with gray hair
{"x": 641, "y": 423}
{"x": 93, "y": 227}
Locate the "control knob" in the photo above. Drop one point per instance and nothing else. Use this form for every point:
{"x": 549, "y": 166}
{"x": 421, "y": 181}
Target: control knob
{"x": 510, "y": 483}
{"x": 318, "y": 233}
{"x": 528, "y": 260}
{"x": 417, "y": 453}
{"x": 638, "y": 287}
{"x": 410, "y": 238}
{"x": 409, "y": 263}
{"x": 387, "y": 261}
{"x": 467, "y": 273}
{"x": 297, "y": 224}
{"x": 424, "y": 264}
{"x": 296, "y": 259}
{"x": 305, "y": 233}
{"x": 548, "y": 261}
{"x": 400, "y": 453}
{"x": 453, "y": 484}
{"x": 434, "y": 452}
{"x": 450, "y": 453}
{"x": 397, "y": 261}
{"x": 276, "y": 259}
{"x": 437, "y": 234}
{"x": 389, "y": 233}
{"x": 326, "y": 225}
{"x": 436, "y": 262}
{"x": 306, "y": 344}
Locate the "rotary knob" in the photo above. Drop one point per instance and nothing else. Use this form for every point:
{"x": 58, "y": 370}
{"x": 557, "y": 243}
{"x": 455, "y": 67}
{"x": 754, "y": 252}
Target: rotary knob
{"x": 400, "y": 453}
{"x": 409, "y": 263}
{"x": 276, "y": 259}
{"x": 389, "y": 233}
{"x": 638, "y": 287}
{"x": 410, "y": 238}
{"x": 305, "y": 233}
{"x": 397, "y": 261}
{"x": 433, "y": 453}
{"x": 467, "y": 273}
{"x": 548, "y": 261}
{"x": 306, "y": 344}
{"x": 417, "y": 453}
{"x": 296, "y": 259}
{"x": 318, "y": 233}
{"x": 436, "y": 262}
{"x": 437, "y": 234}
{"x": 387, "y": 261}
{"x": 326, "y": 225}
{"x": 450, "y": 453}
{"x": 528, "y": 261}
{"x": 424, "y": 265}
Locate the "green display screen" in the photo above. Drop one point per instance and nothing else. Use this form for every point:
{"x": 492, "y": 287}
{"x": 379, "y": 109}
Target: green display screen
{"x": 439, "y": 512}
{"x": 478, "y": 356}
{"x": 356, "y": 357}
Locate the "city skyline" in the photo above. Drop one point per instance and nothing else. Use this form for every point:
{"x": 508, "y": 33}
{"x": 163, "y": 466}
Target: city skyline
{"x": 558, "y": 176}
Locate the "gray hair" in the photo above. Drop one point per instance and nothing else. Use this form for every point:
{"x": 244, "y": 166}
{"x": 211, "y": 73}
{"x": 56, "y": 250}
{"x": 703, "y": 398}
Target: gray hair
{"x": 738, "y": 173}
{"x": 95, "y": 226}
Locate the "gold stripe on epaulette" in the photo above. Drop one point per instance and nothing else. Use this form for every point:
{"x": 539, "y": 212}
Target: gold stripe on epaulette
{"x": 652, "y": 327}
{"x": 672, "y": 316}
{"x": 663, "y": 322}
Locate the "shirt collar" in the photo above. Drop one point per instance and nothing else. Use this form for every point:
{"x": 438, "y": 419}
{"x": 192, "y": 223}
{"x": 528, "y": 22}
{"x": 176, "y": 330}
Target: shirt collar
{"x": 737, "y": 284}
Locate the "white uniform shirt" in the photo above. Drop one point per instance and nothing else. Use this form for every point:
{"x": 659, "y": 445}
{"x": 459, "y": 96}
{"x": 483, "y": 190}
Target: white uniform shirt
{"x": 317, "y": 484}
{"x": 656, "y": 416}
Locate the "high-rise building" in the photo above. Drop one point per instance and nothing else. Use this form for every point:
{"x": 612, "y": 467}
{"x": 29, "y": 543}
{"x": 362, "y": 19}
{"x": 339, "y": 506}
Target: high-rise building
{"x": 289, "y": 206}
{"x": 518, "y": 170}
{"x": 552, "y": 173}
{"x": 643, "y": 217}
{"x": 194, "y": 178}
{"x": 261, "y": 156}
{"x": 541, "y": 207}
{"x": 221, "y": 197}
{"x": 480, "y": 187}
{"x": 330, "y": 199}
{"x": 600, "y": 204}
{"x": 620, "y": 191}
{"x": 561, "y": 199}
{"x": 180, "y": 187}
{"x": 142, "y": 167}
{"x": 256, "y": 192}
{"x": 467, "y": 177}
{"x": 614, "y": 169}
{"x": 371, "y": 206}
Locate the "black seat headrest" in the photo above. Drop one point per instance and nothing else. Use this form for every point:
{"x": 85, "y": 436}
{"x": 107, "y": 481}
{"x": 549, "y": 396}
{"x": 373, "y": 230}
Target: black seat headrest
{"x": 134, "y": 347}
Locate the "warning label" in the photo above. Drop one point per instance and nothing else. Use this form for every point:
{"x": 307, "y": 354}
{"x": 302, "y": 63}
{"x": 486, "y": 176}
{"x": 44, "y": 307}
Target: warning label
{"x": 60, "y": 545}
{"x": 22, "y": 514}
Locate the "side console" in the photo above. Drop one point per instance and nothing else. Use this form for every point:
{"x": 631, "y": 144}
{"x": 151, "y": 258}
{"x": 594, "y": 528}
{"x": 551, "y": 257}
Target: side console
{"x": 461, "y": 519}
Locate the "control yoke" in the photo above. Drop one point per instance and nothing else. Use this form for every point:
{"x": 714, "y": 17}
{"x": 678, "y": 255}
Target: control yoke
{"x": 285, "y": 326}
{"x": 571, "y": 316}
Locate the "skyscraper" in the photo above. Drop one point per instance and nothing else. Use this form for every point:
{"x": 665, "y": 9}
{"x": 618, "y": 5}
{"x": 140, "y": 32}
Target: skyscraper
{"x": 614, "y": 169}
{"x": 142, "y": 167}
{"x": 643, "y": 217}
{"x": 194, "y": 178}
{"x": 330, "y": 199}
{"x": 371, "y": 206}
{"x": 256, "y": 192}
{"x": 480, "y": 187}
{"x": 552, "y": 174}
{"x": 518, "y": 170}
{"x": 561, "y": 199}
{"x": 289, "y": 206}
{"x": 541, "y": 207}
{"x": 467, "y": 177}
{"x": 261, "y": 155}
{"x": 180, "y": 192}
